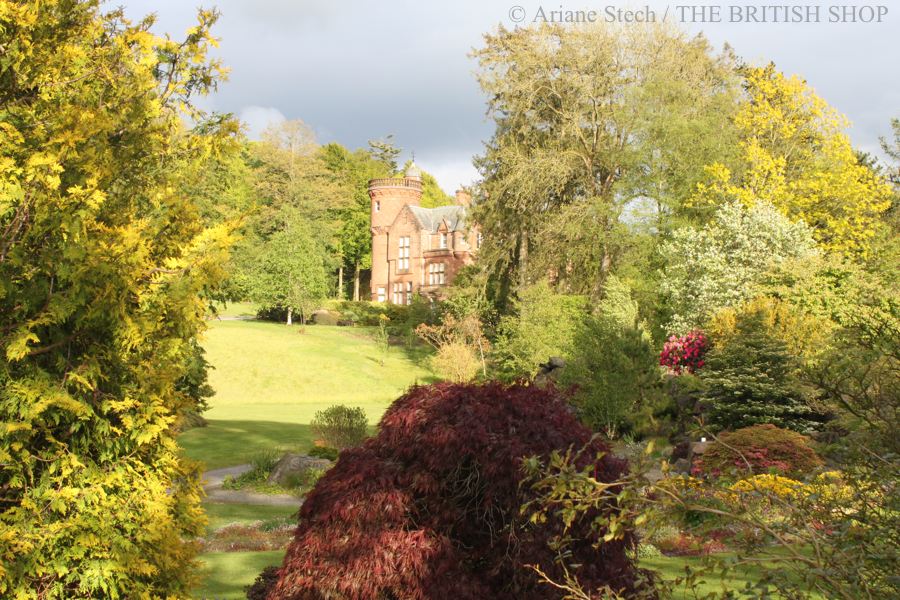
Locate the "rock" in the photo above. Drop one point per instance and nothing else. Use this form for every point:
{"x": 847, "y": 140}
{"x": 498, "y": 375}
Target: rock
{"x": 682, "y": 465}
{"x": 553, "y": 364}
{"x": 655, "y": 475}
{"x": 292, "y": 465}
{"x": 698, "y": 448}
{"x": 548, "y": 372}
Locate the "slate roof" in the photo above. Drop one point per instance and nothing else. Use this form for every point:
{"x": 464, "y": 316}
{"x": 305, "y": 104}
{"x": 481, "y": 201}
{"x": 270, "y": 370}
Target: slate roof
{"x": 430, "y": 218}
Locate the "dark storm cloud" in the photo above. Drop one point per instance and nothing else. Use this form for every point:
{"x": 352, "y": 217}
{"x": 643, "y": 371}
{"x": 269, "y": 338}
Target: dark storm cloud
{"x": 358, "y": 70}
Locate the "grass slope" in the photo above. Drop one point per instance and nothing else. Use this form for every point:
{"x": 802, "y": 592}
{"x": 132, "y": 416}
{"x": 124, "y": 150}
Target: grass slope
{"x": 271, "y": 379}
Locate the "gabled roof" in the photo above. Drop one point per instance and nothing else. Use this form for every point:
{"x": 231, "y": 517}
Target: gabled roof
{"x": 430, "y": 219}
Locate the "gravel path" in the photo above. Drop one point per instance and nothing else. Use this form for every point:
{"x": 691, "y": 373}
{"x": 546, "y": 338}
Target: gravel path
{"x": 212, "y": 485}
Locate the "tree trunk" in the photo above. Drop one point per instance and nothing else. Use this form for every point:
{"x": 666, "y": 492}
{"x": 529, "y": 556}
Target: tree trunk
{"x": 523, "y": 260}
{"x": 340, "y": 290}
{"x": 290, "y": 316}
{"x": 356, "y": 283}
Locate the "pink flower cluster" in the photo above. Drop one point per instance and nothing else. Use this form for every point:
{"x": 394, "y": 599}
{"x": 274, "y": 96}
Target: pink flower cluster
{"x": 684, "y": 353}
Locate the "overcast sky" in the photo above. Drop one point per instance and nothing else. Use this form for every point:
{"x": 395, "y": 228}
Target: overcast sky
{"x": 356, "y": 70}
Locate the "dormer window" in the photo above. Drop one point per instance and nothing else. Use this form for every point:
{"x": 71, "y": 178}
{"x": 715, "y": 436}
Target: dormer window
{"x": 443, "y": 241}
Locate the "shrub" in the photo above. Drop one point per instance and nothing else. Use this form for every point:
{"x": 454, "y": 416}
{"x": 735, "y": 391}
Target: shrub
{"x": 430, "y": 507}
{"x": 304, "y": 479}
{"x": 326, "y": 317}
{"x": 324, "y": 452}
{"x": 360, "y": 313}
{"x": 685, "y": 544}
{"x": 615, "y": 372}
{"x": 544, "y": 324}
{"x": 456, "y": 362}
{"x": 769, "y": 484}
{"x": 262, "y": 463}
{"x": 265, "y": 460}
{"x": 805, "y": 335}
{"x": 107, "y": 260}
{"x": 340, "y": 426}
{"x": 764, "y": 447}
{"x": 648, "y": 551}
{"x": 684, "y": 353}
{"x": 460, "y": 345}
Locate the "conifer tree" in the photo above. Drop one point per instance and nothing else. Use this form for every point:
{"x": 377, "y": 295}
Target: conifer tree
{"x": 751, "y": 380}
{"x": 105, "y": 271}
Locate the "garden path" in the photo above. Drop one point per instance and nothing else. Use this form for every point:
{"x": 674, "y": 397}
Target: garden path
{"x": 212, "y": 485}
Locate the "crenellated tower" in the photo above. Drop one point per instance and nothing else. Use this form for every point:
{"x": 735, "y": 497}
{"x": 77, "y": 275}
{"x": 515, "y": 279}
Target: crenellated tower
{"x": 387, "y": 197}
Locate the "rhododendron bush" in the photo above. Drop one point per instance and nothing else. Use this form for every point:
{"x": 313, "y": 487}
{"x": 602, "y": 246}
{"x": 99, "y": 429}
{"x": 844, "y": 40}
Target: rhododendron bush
{"x": 684, "y": 353}
{"x": 430, "y": 507}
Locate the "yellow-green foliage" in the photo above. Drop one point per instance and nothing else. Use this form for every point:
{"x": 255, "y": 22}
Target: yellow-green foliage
{"x": 804, "y": 334}
{"x": 797, "y": 156}
{"x": 456, "y": 362}
{"x": 103, "y": 265}
{"x": 827, "y": 488}
{"x": 770, "y": 484}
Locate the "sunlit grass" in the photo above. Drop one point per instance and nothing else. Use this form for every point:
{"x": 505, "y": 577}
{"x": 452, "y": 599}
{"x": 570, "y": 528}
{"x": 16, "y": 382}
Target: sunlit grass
{"x": 270, "y": 379}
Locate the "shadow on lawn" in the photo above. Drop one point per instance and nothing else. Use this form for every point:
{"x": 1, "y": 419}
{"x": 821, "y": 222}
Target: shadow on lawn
{"x": 226, "y": 573}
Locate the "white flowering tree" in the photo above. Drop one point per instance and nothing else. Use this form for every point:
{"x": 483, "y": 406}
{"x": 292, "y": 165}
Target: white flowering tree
{"x": 723, "y": 263}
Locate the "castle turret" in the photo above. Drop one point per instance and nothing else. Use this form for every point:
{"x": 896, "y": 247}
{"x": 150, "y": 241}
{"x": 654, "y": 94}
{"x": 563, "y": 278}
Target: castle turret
{"x": 387, "y": 197}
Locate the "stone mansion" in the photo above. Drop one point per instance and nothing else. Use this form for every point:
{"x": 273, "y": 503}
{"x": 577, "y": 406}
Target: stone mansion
{"x": 416, "y": 250}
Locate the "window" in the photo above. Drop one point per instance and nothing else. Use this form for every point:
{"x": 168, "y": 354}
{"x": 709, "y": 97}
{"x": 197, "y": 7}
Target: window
{"x": 377, "y": 205}
{"x": 409, "y": 292}
{"x": 436, "y": 273}
{"x": 443, "y": 241}
{"x": 381, "y": 295}
{"x": 398, "y": 293}
{"x": 403, "y": 256}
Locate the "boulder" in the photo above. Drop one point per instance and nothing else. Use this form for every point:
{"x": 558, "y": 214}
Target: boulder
{"x": 698, "y": 448}
{"x": 292, "y": 465}
{"x": 682, "y": 465}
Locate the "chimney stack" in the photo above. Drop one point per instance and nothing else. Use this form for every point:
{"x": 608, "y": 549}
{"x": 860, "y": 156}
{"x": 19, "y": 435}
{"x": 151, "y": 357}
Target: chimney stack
{"x": 463, "y": 198}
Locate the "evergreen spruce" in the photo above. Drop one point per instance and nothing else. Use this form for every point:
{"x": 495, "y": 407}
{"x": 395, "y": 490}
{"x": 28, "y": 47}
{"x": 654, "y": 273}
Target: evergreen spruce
{"x": 750, "y": 381}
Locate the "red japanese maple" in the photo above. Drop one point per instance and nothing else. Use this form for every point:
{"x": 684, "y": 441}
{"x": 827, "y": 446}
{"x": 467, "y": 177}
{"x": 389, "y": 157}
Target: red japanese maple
{"x": 430, "y": 507}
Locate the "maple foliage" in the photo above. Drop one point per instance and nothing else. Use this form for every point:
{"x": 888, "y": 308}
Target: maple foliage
{"x": 759, "y": 449}
{"x": 430, "y": 507}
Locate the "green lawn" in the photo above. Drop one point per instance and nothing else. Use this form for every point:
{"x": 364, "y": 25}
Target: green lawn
{"x": 224, "y": 514}
{"x": 228, "y": 572}
{"x": 237, "y": 309}
{"x": 271, "y": 379}
{"x": 671, "y": 567}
